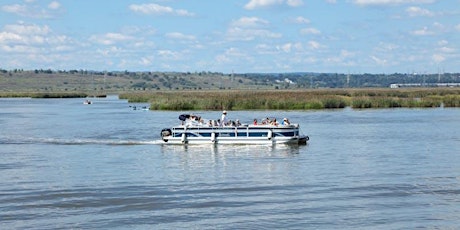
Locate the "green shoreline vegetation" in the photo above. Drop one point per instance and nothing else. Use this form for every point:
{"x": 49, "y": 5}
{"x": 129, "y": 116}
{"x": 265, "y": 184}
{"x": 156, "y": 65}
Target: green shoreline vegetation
{"x": 310, "y": 99}
{"x": 252, "y": 91}
{"x": 297, "y": 99}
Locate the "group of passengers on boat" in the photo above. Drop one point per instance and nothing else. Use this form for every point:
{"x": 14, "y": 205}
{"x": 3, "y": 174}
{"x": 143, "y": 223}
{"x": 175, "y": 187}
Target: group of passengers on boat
{"x": 194, "y": 120}
{"x": 267, "y": 121}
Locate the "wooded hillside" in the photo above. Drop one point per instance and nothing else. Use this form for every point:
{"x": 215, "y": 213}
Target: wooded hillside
{"x": 95, "y": 82}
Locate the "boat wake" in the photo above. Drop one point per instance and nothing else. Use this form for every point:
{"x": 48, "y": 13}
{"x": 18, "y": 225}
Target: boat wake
{"x": 96, "y": 141}
{"x": 58, "y": 141}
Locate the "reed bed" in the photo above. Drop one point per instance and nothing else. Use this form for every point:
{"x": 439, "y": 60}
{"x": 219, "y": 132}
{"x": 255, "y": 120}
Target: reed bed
{"x": 297, "y": 99}
{"x": 391, "y": 102}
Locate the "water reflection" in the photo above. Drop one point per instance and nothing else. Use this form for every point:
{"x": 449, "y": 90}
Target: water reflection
{"x": 217, "y": 156}
{"x": 362, "y": 169}
{"x": 235, "y": 150}
{"x": 238, "y": 164}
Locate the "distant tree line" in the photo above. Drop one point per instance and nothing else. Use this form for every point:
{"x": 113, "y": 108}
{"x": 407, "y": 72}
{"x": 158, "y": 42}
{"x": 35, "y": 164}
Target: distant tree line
{"x": 207, "y": 80}
{"x": 336, "y": 80}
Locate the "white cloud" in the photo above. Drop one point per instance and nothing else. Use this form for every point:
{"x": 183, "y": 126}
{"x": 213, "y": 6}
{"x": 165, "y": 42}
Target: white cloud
{"x": 18, "y": 49}
{"x": 285, "y": 48}
{"x": 146, "y": 61}
{"x": 264, "y": 49}
{"x": 390, "y": 2}
{"x": 54, "y": 5}
{"x": 35, "y": 46}
{"x": 145, "y": 30}
{"x": 250, "y": 28}
{"x": 28, "y": 29}
{"x": 181, "y": 12}
{"x": 345, "y": 58}
{"x": 346, "y": 53}
{"x": 443, "y": 42}
{"x": 32, "y": 10}
{"x": 310, "y": 30}
{"x": 254, "y": 4}
{"x": 314, "y": 45}
{"x": 434, "y": 29}
{"x": 446, "y": 49}
{"x": 109, "y": 51}
{"x": 298, "y": 46}
{"x": 15, "y": 8}
{"x": 301, "y": 20}
{"x": 294, "y": 3}
{"x": 443, "y": 47}
{"x": 143, "y": 44}
{"x": 169, "y": 55}
{"x": 110, "y": 38}
{"x": 151, "y": 9}
{"x": 386, "y": 47}
{"x": 232, "y": 54}
{"x": 250, "y": 22}
{"x": 415, "y": 11}
{"x": 222, "y": 59}
{"x": 22, "y": 34}
{"x": 423, "y": 32}
{"x": 439, "y": 27}
{"x": 41, "y": 58}
{"x": 243, "y": 34}
{"x": 379, "y": 61}
{"x": 8, "y": 37}
{"x": 181, "y": 36}
{"x": 438, "y": 58}
{"x": 155, "y": 9}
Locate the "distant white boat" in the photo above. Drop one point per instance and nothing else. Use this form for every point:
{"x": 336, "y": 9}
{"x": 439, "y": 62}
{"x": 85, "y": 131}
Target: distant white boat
{"x": 87, "y": 102}
{"x": 194, "y": 130}
{"x": 144, "y": 108}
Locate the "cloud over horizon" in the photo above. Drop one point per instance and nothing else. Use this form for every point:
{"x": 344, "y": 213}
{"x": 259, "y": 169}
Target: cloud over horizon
{"x": 244, "y": 36}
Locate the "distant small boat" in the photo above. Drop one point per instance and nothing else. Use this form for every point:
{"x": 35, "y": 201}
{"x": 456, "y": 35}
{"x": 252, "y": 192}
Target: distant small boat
{"x": 145, "y": 108}
{"x": 87, "y": 102}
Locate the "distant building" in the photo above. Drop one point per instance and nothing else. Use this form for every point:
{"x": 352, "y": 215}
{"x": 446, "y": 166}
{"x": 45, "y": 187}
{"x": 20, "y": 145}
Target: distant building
{"x": 286, "y": 80}
{"x": 395, "y": 86}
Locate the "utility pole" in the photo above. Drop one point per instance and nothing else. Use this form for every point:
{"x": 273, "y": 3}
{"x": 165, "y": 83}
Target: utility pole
{"x": 348, "y": 80}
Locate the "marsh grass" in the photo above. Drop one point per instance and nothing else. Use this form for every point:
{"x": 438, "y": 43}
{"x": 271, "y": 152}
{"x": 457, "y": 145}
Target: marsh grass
{"x": 451, "y": 100}
{"x": 279, "y": 99}
{"x": 238, "y": 100}
{"x": 297, "y": 99}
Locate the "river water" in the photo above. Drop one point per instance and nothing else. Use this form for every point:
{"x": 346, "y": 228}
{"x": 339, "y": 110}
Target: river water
{"x": 68, "y": 165}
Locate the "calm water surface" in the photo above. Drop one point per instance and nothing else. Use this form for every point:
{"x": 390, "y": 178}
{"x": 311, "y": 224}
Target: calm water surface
{"x": 68, "y": 165}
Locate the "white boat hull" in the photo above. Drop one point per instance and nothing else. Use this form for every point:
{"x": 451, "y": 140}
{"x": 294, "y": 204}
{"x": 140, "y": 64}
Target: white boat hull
{"x": 233, "y": 141}
{"x": 255, "y": 135}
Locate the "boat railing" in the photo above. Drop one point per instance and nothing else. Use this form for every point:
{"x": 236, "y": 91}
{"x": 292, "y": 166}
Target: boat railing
{"x": 205, "y": 126}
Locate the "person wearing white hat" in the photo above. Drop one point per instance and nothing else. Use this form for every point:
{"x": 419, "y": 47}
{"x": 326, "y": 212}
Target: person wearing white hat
{"x": 224, "y": 119}
{"x": 286, "y": 121}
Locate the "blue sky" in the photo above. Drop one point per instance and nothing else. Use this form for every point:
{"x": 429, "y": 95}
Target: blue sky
{"x": 349, "y": 36}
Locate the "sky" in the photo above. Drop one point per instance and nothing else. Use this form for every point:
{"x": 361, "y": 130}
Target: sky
{"x": 240, "y": 36}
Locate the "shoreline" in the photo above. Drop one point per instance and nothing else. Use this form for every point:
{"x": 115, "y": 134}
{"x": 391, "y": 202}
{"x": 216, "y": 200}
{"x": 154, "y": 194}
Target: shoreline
{"x": 298, "y": 99}
{"x": 307, "y": 99}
